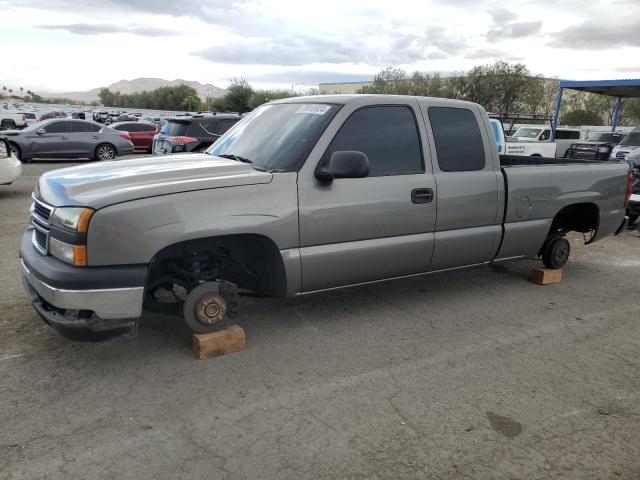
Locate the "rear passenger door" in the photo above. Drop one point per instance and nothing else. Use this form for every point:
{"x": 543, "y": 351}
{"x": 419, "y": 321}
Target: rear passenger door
{"x": 83, "y": 138}
{"x": 469, "y": 187}
{"x": 356, "y": 230}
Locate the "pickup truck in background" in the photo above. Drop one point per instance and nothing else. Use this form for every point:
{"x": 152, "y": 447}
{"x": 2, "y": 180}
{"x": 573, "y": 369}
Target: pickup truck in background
{"x": 13, "y": 120}
{"x": 302, "y": 195}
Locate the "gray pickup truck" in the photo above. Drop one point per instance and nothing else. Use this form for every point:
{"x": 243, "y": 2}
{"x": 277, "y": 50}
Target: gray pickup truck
{"x": 302, "y": 195}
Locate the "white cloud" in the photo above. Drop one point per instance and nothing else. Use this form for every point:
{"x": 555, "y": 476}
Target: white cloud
{"x": 97, "y": 43}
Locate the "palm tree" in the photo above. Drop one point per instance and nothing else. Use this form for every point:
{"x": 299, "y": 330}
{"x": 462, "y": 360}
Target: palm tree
{"x": 4, "y": 89}
{"x": 21, "y": 90}
{"x": 11, "y": 91}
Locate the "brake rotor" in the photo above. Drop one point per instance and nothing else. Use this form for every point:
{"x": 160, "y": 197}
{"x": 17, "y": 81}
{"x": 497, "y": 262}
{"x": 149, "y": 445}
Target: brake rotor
{"x": 206, "y": 308}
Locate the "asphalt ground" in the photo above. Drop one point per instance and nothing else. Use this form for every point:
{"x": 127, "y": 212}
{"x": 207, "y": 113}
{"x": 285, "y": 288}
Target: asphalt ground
{"x": 470, "y": 374}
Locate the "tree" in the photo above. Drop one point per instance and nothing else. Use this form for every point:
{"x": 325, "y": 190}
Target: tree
{"x": 191, "y": 103}
{"x": 21, "y": 90}
{"x": 581, "y": 117}
{"x": 238, "y": 95}
{"x": 263, "y": 96}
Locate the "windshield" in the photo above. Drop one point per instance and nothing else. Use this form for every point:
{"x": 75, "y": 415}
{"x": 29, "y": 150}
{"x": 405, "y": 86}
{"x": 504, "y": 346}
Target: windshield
{"x": 603, "y": 137}
{"x": 632, "y": 138}
{"x": 276, "y": 137}
{"x": 527, "y": 132}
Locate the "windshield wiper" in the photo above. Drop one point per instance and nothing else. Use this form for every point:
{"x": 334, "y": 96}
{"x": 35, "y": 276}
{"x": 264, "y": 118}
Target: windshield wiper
{"x": 237, "y": 158}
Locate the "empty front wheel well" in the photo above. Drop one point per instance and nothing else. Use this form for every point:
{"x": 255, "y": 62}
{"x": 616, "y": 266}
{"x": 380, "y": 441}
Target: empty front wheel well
{"x": 250, "y": 261}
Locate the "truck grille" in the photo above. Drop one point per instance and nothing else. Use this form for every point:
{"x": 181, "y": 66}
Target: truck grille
{"x": 40, "y": 213}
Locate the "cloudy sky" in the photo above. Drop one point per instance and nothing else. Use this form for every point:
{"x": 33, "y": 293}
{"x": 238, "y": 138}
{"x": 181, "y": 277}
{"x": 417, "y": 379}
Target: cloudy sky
{"x": 69, "y": 45}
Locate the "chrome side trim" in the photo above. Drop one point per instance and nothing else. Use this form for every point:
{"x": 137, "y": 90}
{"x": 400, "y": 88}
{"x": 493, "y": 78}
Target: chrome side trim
{"x": 108, "y": 303}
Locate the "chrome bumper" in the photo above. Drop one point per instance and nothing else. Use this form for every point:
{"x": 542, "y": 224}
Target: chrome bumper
{"x": 108, "y": 304}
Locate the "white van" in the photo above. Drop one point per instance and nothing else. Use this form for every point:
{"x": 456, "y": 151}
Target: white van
{"x": 628, "y": 144}
{"x": 564, "y": 137}
{"x": 511, "y": 146}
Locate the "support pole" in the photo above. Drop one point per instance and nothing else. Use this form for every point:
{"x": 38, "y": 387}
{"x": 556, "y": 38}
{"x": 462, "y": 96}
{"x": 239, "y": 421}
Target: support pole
{"x": 617, "y": 108}
{"x": 556, "y": 115}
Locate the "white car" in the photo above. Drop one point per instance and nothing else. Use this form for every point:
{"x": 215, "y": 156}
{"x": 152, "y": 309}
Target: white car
{"x": 628, "y": 144}
{"x": 10, "y": 166}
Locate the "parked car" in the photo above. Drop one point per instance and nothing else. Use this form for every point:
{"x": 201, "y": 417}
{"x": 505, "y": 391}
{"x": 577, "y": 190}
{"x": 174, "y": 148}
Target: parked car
{"x": 597, "y": 147}
{"x": 10, "y": 166}
{"x": 306, "y": 194}
{"x": 192, "y": 133}
{"x": 101, "y": 116}
{"x": 141, "y": 133}
{"x": 68, "y": 139}
{"x": 628, "y": 144}
{"x": 564, "y": 137}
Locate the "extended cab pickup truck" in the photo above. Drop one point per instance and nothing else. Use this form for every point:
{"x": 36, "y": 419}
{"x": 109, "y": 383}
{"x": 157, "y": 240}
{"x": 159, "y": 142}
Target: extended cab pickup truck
{"x": 302, "y": 195}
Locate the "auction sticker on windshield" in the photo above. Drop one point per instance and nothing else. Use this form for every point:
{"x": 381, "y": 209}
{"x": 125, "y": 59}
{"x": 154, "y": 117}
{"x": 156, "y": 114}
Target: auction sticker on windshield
{"x": 314, "y": 108}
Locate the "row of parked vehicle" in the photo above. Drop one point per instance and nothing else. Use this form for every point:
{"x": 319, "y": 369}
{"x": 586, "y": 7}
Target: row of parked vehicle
{"x": 77, "y": 138}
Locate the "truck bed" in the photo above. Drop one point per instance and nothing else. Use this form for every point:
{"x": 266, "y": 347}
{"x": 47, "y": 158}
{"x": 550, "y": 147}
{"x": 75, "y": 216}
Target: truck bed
{"x": 534, "y": 195}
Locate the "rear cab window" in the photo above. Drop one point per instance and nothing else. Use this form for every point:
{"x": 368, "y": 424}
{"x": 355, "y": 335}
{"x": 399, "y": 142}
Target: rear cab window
{"x": 458, "y": 140}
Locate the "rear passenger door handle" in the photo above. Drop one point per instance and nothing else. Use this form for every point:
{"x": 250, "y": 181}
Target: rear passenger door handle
{"x": 422, "y": 195}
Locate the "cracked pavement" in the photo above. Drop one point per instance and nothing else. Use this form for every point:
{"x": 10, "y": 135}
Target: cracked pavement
{"x": 469, "y": 374}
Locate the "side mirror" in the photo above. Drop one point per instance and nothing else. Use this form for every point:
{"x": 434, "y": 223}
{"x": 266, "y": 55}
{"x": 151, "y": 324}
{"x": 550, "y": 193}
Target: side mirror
{"x": 41, "y": 131}
{"x": 344, "y": 164}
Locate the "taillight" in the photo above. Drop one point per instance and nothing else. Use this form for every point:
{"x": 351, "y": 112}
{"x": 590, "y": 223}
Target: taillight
{"x": 181, "y": 140}
{"x": 629, "y": 188}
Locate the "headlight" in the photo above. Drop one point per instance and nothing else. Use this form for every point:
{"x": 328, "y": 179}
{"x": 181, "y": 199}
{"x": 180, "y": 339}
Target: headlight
{"x": 603, "y": 149}
{"x": 69, "y": 244}
{"x": 72, "y": 219}
{"x": 4, "y": 149}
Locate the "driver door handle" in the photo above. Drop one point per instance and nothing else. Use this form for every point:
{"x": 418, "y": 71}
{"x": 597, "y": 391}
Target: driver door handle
{"x": 63, "y": 138}
{"x": 422, "y": 195}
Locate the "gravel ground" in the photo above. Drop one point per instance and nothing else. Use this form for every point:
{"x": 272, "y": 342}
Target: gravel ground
{"x": 469, "y": 374}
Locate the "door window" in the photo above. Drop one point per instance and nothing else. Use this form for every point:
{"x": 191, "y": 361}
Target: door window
{"x": 83, "y": 127}
{"x": 57, "y": 127}
{"x": 458, "y": 139}
{"x": 388, "y": 135}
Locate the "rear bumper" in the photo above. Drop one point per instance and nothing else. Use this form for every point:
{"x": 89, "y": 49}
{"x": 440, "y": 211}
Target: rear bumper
{"x": 90, "y": 303}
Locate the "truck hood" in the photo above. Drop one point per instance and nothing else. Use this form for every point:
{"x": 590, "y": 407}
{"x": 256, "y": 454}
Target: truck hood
{"x": 106, "y": 183}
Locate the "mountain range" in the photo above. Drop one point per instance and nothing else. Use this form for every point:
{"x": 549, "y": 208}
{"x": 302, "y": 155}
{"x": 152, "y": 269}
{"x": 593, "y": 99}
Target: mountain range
{"x": 138, "y": 85}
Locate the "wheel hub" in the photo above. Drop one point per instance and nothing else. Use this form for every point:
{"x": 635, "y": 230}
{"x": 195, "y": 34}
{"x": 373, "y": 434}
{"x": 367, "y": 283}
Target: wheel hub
{"x": 210, "y": 309}
{"x": 561, "y": 254}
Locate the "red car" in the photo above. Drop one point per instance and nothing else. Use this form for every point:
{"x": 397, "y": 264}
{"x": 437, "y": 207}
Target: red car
{"x": 141, "y": 133}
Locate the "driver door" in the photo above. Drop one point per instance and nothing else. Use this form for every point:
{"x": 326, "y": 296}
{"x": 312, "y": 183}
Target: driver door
{"x": 355, "y": 230}
{"x": 54, "y": 142}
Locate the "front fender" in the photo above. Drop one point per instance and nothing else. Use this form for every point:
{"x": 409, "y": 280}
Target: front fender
{"x": 133, "y": 232}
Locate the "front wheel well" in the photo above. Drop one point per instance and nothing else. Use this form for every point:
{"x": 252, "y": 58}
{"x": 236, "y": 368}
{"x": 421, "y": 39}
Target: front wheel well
{"x": 250, "y": 261}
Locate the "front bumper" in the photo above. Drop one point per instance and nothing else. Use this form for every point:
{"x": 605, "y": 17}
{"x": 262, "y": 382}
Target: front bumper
{"x": 90, "y": 303}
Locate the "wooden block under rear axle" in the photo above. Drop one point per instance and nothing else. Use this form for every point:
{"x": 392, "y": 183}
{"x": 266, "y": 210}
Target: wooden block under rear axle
{"x": 229, "y": 340}
{"x": 545, "y": 276}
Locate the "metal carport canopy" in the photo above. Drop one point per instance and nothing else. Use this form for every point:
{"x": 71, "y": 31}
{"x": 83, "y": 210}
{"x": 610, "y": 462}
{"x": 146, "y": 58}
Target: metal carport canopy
{"x": 620, "y": 89}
